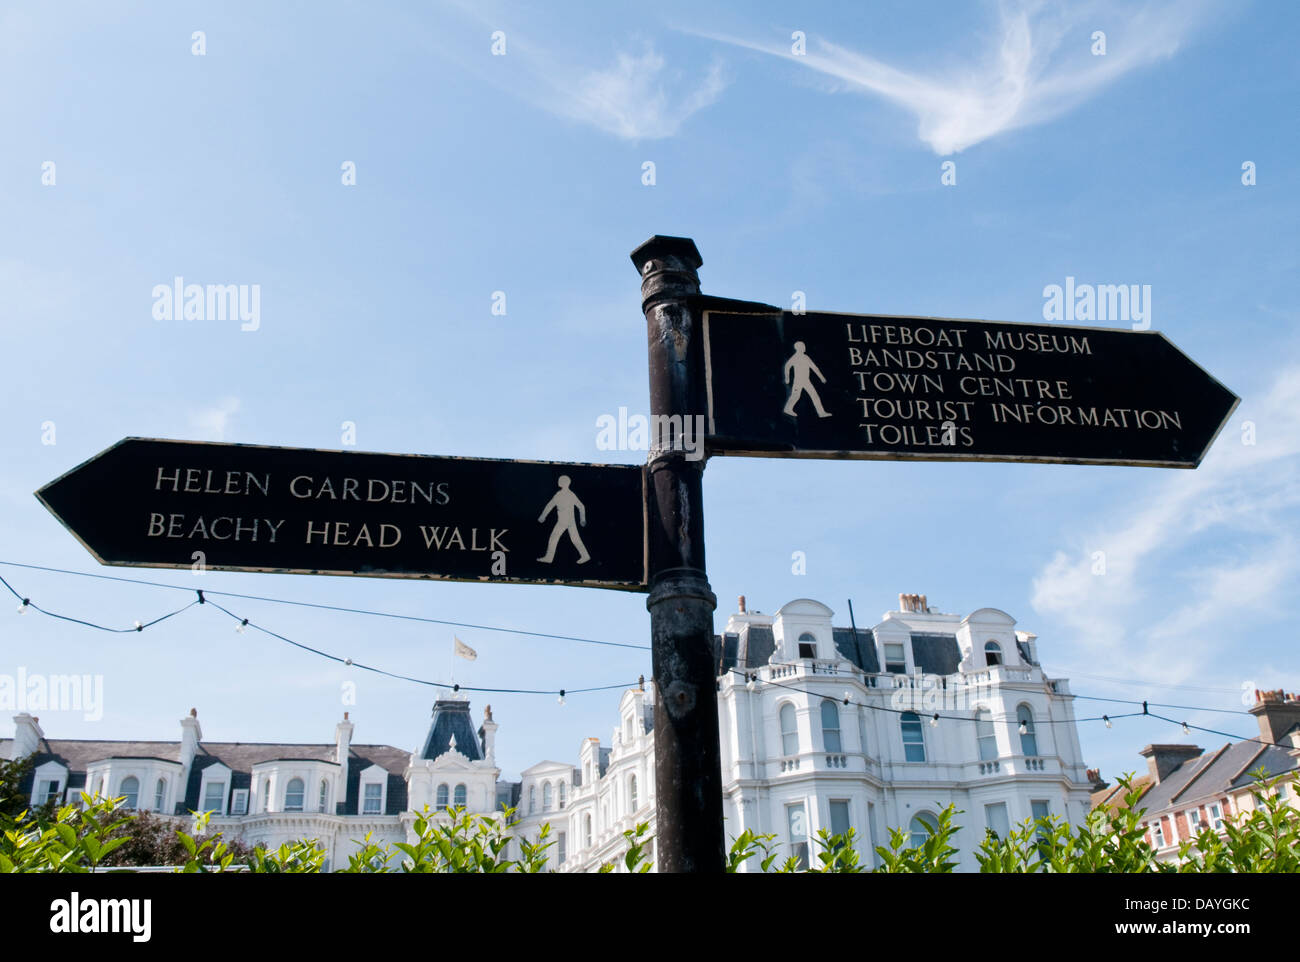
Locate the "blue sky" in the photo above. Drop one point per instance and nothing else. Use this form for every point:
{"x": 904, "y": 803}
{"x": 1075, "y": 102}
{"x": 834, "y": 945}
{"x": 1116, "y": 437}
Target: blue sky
{"x": 522, "y": 173}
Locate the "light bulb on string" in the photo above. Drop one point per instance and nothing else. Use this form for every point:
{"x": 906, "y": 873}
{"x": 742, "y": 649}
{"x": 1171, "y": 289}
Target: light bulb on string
{"x": 1186, "y": 730}
{"x": 22, "y": 609}
{"x": 934, "y": 722}
{"x": 242, "y": 626}
{"x": 1106, "y": 719}
{"x": 1024, "y": 729}
{"x": 561, "y": 698}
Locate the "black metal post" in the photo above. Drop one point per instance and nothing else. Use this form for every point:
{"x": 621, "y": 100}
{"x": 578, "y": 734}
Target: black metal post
{"x": 688, "y": 770}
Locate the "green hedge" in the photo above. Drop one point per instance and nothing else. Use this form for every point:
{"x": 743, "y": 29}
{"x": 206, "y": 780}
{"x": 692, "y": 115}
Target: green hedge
{"x": 84, "y": 839}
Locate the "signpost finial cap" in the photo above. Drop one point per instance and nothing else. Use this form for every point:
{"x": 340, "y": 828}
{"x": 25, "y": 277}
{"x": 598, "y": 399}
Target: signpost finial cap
{"x": 662, "y": 246}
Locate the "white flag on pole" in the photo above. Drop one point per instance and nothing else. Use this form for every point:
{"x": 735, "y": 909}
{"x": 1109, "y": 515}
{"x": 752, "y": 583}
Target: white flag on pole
{"x": 464, "y": 650}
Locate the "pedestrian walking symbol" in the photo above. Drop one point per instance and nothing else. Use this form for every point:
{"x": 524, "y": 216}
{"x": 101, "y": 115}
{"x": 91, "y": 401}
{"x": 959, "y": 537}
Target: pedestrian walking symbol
{"x": 564, "y": 503}
{"x": 800, "y": 364}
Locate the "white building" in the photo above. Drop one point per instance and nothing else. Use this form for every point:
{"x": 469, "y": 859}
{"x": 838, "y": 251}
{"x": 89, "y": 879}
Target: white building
{"x": 822, "y": 727}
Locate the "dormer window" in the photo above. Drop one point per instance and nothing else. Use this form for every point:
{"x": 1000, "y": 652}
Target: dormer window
{"x": 293, "y": 795}
{"x": 992, "y": 653}
{"x": 214, "y": 798}
{"x": 372, "y": 798}
{"x": 562, "y": 794}
{"x": 895, "y": 658}
{"x": 49, "y": 791}
{"x": 460, "y": 796}
{"x": 807, "y": 646}
{"x": 547, "y": 798}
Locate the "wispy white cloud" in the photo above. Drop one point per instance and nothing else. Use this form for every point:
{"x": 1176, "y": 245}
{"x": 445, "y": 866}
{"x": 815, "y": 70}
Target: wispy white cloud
{"x": 1027, "y": 76}
{"x": 213, "y": 422}
{"x": 636, "y": 99}
{"x": 1131, "y": 618}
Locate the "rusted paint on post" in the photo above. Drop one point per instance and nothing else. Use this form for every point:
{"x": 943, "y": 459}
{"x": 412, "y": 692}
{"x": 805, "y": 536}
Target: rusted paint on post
{"x": 688, "y": 771}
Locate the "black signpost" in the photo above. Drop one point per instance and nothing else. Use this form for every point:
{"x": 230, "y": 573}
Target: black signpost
{"x": 243, "y": 507}
{"x": 770, "y": 383}
{"x": 864, "y": 386}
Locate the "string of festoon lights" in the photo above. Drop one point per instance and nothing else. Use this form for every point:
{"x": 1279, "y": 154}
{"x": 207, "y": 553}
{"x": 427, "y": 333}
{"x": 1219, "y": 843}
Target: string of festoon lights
{"x": 751, "y": 676}
{"x": 242, "y": 625}
{"x": 752, "y": 682}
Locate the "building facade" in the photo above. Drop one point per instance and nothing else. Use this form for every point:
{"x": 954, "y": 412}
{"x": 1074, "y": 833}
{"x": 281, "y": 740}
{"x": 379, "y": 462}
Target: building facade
{"x": 822, "y": 727}
{"x": 1186, "y": 789}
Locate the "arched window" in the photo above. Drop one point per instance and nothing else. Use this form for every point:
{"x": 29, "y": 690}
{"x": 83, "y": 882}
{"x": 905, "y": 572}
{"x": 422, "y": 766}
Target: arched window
{"x": 293, "y": 793}
{"x": 922, "y": 824}
{"x": 563, "y": 792}
{"x": 789, "y": 730}
{"x": 159, "y": 794}
{"x": 266, "y": 794}
{"x": 532, "y": 799}
{"x": 131, "y": 789}
{"x": 992, "y": 653}
{"x": 807, "y": 645}
{"x": 586, "y": 829}
{"x": 443, "y": 798}
{"x": 913, "y": 736}
{"x": 831, "y": 726}
{"x": 547, "y": 797}
{"x": 1028, "y": 740}
{"x": 324, "y": 800}
{"x": 985, "y": 736}
{"x": 459, "y": 796}
{"x": 631, "y": 793}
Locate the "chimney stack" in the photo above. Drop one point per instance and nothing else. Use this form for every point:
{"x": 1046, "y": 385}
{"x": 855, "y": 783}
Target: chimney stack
{"x": 917, "y": 603}
{"x": 1163, "y": 759}
{"x": 1277, "y": 712}
{"x": 191, "y": 736}
{"x": 27, "y": 736}
{"x": 487, "y": 733}
{"x": 741, "y": 602}
{"x": 342, "y": 746}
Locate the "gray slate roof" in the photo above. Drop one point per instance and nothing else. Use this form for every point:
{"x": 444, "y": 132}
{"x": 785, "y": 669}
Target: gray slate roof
{"x": 451, "y": 718}
{"x": 240, "y": 757}
{"x": 933, "y": 653}
{"x": 1213, "y": 774}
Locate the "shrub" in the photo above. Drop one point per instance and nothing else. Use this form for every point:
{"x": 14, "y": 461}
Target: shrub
{"x": 102, "y": 837}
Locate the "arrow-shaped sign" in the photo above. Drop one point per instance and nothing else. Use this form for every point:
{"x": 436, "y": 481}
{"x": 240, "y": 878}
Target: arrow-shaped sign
{"x": 813, "y": 385}
{"x": 240, "y": 507}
